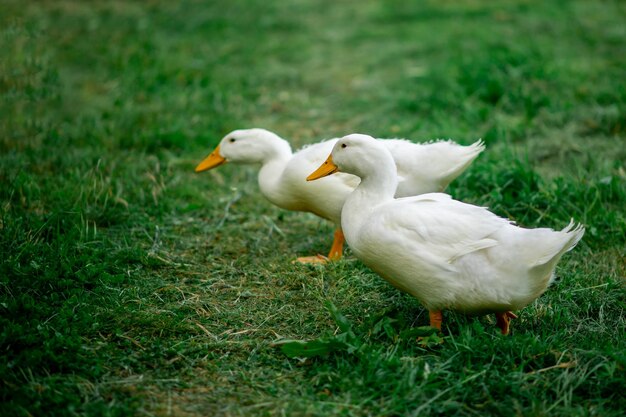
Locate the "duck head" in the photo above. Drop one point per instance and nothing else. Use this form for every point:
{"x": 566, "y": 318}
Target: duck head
{"x": 356, "y": 154}
{"x": 245, "y": 146}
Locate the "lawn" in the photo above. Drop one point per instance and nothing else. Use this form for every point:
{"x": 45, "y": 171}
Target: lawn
{"x": 129, "y": 285}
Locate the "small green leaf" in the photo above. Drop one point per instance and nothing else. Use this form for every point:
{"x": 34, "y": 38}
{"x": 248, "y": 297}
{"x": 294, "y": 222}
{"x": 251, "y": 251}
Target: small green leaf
{"x": 341, "y": 320}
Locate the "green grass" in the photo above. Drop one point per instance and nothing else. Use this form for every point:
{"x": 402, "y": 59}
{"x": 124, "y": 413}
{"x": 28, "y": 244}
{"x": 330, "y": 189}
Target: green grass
{"x": 127, "y": 288}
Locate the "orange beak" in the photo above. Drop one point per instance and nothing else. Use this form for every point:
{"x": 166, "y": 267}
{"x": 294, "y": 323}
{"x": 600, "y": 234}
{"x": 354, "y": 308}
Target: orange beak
{"x": 211, "y": 161}
{"x": 327, "y": 168}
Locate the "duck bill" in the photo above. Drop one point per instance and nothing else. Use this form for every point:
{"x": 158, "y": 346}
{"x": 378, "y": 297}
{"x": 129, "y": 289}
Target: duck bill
{"x": 211, "y": 161}
{"x": 327, "y": 168}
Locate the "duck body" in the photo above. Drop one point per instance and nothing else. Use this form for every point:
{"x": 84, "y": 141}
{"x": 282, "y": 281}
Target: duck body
{"x": 422, "y": 168}
{"x": 445, "y": 253}
{"x": 452, "y": 255}
{"x": 288, "y": 189}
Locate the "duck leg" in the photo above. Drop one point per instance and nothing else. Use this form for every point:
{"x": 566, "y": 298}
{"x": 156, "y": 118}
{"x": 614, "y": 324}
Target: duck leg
{"x": 435, "y": 318}
{"x": 503, "y": 320}
{"x": 336, "y": 251}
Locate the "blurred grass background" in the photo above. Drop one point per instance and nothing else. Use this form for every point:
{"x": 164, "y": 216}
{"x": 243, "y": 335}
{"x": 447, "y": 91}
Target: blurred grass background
{"x": 127, "y": 288}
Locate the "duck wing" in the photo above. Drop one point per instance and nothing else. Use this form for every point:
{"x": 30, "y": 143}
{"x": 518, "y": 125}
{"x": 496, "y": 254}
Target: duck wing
{"x": 437, "y": 228}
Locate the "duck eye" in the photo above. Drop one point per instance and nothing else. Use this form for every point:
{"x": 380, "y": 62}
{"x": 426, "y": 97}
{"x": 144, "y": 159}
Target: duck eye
{"x": 343, "y": 145}
{"x": 232, "y": 140}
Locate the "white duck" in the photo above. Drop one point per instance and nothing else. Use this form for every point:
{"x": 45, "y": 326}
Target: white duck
{"x": 423, "y": 168}
{"x": 447, "y": 254}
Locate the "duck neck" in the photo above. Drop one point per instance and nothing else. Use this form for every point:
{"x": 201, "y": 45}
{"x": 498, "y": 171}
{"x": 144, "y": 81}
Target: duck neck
{"x": 270, "y": 174}
{"x": 380, "y": 186}
{"x": 373, "y": 190}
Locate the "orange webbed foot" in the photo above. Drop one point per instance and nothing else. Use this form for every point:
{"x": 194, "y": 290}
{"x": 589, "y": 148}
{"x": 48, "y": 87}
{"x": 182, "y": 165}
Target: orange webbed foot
{"x": 308, "y": 260}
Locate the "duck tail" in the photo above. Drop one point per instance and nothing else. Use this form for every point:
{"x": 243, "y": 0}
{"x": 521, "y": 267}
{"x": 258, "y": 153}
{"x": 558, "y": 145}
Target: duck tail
{"x": 575, "y": 232}
{"x": 563, "y": 241}
{"x": 555, "y": 244}
{"x": 464, "y": 155}
{"x": 477, "y": 147}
